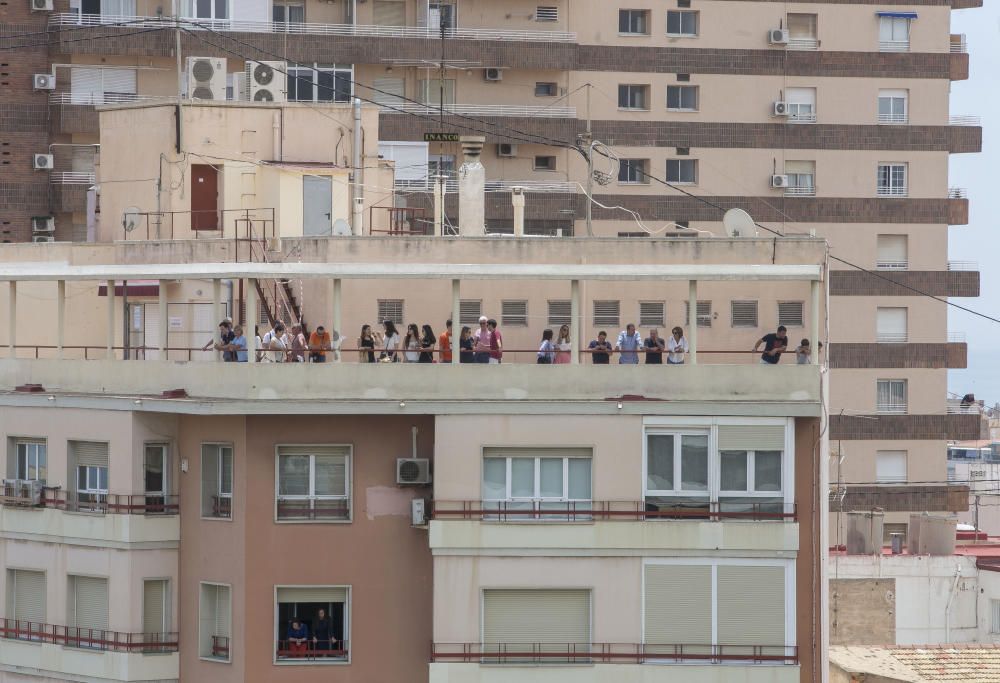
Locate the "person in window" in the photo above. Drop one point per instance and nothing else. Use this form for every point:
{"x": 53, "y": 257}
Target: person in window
{"x": 484, "y": 340}
{"x": 654, "y": 346}
{"x": 322, "y": 631}
{"x": 775, "y": 343}
{"x": 546, "y": 351}
{"x": 563, "y": 346}
{"x": 629, "y": 341}
{"x": 391, "y": 343}
{"x": 427, "y": 342}
{"x": 496, "y": 342}
{"x": 466, "y": 345}
{"x": 298, "y": 638}
{"x": 411, "y": 344}
{"x": 367, "y": 341}
{"x": 677, "y": 346}
{"x": 601, "y": 349}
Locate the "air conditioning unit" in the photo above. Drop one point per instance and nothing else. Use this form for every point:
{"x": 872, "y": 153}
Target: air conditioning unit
{"x": 41, "y": 5}
{"x": 779, "y": 181}
{"x": 43, "y": 238}
{"x": 493, "y": 74}
{"x": 418, "y": 512}
{"x": 781, "y": 108}
{"x": 43, "y": 224}
{"x": 44, "y": 162}
{"x": 267, "y": 81}
{"x": 413, "y": 471}
{"x": 22, "y": 491}
{"x": 45, "y": 82}
{"x": 777, "y": 36}
{"x": 506, "y": 149}
{"x": 206, "y": 78}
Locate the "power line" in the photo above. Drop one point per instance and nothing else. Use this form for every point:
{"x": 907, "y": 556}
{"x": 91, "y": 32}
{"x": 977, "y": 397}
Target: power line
{"x": 80, "y": 40}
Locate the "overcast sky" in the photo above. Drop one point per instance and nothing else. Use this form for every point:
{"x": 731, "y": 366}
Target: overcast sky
{"x": 980, "y": 240}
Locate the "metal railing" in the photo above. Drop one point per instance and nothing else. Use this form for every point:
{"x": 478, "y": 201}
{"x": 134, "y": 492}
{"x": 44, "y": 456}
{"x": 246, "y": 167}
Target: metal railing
{"x": 892, "y": 191}
{"x": 802, "y": 118}
{"x": 609, "y": 653}
{"x": 161, "y": 225}
{"x": 958, "y": 406}
{"x": 482, "y": 110}
{"x": 891, "y": 407}
{"x": 220, "y": 647}
{"x": 110, "y": 503}
{"x": 803, "y": 44}
{"x": 72, "y": 178}
{"x": 891, "y": 337}
{"x": 91, "y": 99}
{"x": 963, "y": 265}
{"x": 964, "y": 120}
{"x": 957, "y": 43}
{"x": 801, "y": 191}
{"x": 222, "y": 507}
{"x": 88, "y": 638}
{"x": 313, "y": 508}
{"x": 372, "y": 31}
{"x": 893, "y": 118}
{"x": 894, "y": 46}
{"x": 892, "y": 265}
{"x": 957, "y": 193}
{"x": 956, "y": 337}
{"x": 605, "y": 510}
{"x": 451, "y": 186}
{"x": 335, "y": 649}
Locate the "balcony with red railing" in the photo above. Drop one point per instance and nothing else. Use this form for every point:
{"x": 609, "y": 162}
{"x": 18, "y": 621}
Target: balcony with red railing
{"x": 101, "y": 640}
{"x": 289, "y": 652}
{"x": 313, "y": 509}
{"x": 220, "y": 647}
{"x": 532, "y": 654}
{"x": 110, "y": 503}
{"x": 604, "y": 510}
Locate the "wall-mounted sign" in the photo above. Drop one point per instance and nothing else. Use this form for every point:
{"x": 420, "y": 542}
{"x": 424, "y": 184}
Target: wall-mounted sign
{"x": 441, "y": 137}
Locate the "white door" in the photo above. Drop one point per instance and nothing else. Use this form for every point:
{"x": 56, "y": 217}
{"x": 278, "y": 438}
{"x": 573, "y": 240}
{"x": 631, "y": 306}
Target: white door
{"x": 151, "y": 331}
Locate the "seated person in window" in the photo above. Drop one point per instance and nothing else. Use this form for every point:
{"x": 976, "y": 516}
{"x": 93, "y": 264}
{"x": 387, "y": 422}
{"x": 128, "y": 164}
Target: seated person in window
{"x": 298, "y": 638}
{"x": 322, "y": 631}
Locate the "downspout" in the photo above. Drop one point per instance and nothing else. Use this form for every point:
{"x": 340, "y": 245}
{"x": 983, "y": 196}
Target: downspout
{"x": 358, "y": 198}
{"x": 947, "y": 609}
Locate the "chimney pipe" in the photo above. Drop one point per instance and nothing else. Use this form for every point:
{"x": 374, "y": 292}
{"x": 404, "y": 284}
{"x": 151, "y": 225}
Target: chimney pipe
{"x": 472, "y": 187}
{"x": 517, "y": 199}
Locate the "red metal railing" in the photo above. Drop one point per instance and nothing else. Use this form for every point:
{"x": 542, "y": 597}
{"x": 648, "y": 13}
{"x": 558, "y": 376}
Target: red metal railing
{"x": 220, "y": 647}
{"x": 604, "y": 510}
{"x": 313, "y": 509}
{"x": 88, "y": 638}
{"x": 111, "y": 503}
{"x": 609, "y": 653}
{"x": 222, "y": 507}
{"x": 336, "y": 649}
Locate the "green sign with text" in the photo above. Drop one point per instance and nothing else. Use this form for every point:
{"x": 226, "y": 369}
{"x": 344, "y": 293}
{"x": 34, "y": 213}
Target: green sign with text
{"x": 441, "y": 137}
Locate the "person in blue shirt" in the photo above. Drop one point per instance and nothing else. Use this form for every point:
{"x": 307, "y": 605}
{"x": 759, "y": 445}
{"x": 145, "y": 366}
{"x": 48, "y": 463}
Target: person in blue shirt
{"x": 601, "y": 349}
{"x": 237, "y": 346}
{"x": 628, "y": 344}
{"x": 298, "y": 638}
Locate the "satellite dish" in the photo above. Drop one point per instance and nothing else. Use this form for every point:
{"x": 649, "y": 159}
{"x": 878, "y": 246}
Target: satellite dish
{"x": 132, "y": 218}
{"x": 341, "y": 228}
{"x": 739, "y": 224}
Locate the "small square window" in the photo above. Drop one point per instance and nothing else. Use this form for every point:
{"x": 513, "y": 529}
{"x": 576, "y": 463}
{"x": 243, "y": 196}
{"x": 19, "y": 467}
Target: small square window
{"x": 633, "y": 171}
{"x": 546, "y": 89}
{"x": 632, "y": 96}
{"x": 683, "y": 171}
{"x": 545, "y": 163}
{"x": 652, "y": 314}
{"x": 682, "y": 24}
{"x": 682, "y": 97}
{"x": 469, "y": 311}
{"x": 683, "y": 78}
{"x": 559, "y": 312}
{"x": 683, "y": 151}
{"x": 790, "y": 313}
{"x": 633, "y": 22}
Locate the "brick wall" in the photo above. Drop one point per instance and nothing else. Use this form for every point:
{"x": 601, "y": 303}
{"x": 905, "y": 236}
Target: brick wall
{"x": 963, "y": 283}
{"x": 907, "y": 498}
{"x": 69, "y": 118}
{"x": 862, "y": 612}
{"x": 908, "y": 427}
{"x": 927, "y": 356}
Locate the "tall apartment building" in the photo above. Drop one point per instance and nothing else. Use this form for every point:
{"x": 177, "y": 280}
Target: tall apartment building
{"x": 181, "y": 520}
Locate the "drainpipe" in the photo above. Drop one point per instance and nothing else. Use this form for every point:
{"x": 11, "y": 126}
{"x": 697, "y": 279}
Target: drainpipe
{"x": 276, "y": 135}
{"x": 472, "y": 187}
{"x": 358, "y": 199}
{"x": 947, "y": 609}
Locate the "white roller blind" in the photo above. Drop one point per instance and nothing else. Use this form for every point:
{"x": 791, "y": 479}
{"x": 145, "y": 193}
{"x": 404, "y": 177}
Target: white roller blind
{"x": 214, "y": 616}
{"x": 86, "y": 86}
{"x": 751, "y": 438}
{"x": 890, "y": 466}
{"x": 89, "y": 453}
{"x": 800, "y": 167}
{"x": 118, "y": 8}
{"x": 26, "y": 595}
{"x": 410, "y": 158}
{"x": 751, "y": 605}
{"x": 678, "y": 605}
{"x": 389, "y": 13}
{"x": 892, "y": 248}
{"x": 389, "y": 90}
{"x": 312, "y": 594}
{"x": 222, "y": 612}
{"x": 91, "y": 603}
{"x": 154, "y": 593}
{"x": 536, "y": 616}
{"x": 891, "y": 324}
{"x": 521, "y": 452}
{"x": 119, "y": 81}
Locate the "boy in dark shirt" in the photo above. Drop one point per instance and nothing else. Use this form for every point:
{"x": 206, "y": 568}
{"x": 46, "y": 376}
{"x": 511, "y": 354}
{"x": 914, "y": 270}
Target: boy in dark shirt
{"x": 601, "y": 348}
{"x": 774, "y": 345}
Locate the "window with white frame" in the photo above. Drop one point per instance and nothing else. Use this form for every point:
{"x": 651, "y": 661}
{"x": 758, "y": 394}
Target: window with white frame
{"x": 155, "y": 611}
{"x": 546, "y": 89}
{"x": 801, "y": 178}
{"x": 430, "y": 91}
{"x": 30, "y": 460}
{"x": 526, "y": 484}
{"x": 893, "y": 106}
{"x": 894, "y": 33}
{"x": 890, "y": 467}
{"x": 89, "y": 464}
{"x": 891, "y": 324}
{"x": 682, "y": 171}
{"x": 313, "y": 483}
{"x": 214, "y": 622}
{"x": 633, "y": 22}
{"x": 892, "y": 180}
{"x": 320, "y": 83}
{"x": 791, "y": 313}
{"x": 514, "y": 313}
{"x": 750, "y": 481}
{"x": 288, "y": 13}
{"x": 217, "y": 481}
{"x": 892, "y": 252}
{"x": 633, "y": 171}
{"x": 206, "y": 9}
{"x": 802, "y": 31}
{"x": 87, "y": 613}
{"x": 744, "y": 313}
{"x": 682, "y": 98}
{"x": 801, "y": 104}
{"x": 890, "y": 396}
{"x": 633, "y": 96}
{"x": 677, "y": 471}
{"x": 682, "y": 23}
{"x": 324, "y": 612}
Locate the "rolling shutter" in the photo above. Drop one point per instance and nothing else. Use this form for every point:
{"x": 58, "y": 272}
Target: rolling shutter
{"x": 557, "y": 617}
{"x": 389, "y": 13}
{"x": 320, "y": 594}
{"x": 678, "y": 607}
{"x": 214, "y": 610}
{"x": 89, "y": 453}
{"x": 90, "y": 603}
{"x": 86, "y": 86}
{"x": 751, "y": 606}
{"x": 391, "y": 91}
{"x": 751, "y": 438}
{"x": 744, "y": 313}
{"x": 154, "y": 593}
{"x": 469, "y": 311}
{"x": 607, "y": 313}
{"x": 652, "y": 314}
{"x": 559, "y": 312}
{"x": 519, "y": 452}
{"x": 892, "y": 249}
{"x": 26, "y": 595}
{"x": 119, "y": 82}
{"x": 514, "y": 313}
{"x": 222, "y": 611}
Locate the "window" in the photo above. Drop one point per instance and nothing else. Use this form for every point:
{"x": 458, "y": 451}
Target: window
{"x": 214, "y": 617}
{"x": 533, "y": 480}
{"x": 801, "y": 105}
{"x": 892, "y": 180}
{"x": 545, "y": 163}
{"x": 313, "y": 483}
{"x": 547, "y": 621}
{"x": 25, "y": 598}
{"x": 802, "y": 32}
{"x": 216, "y": 481}
{"x": 652, "y": 314}
{"x": 206, "y": 9}
{"x": 546, "y": 89}
{"x": 324, "y": 612}
{"x": 801, "y": 178}
{"x": 633, "y": 22}
{"x": 995, "y": 616}
{"x": 632, "y": 96}
{"x": 288, "y": 14}
{"x": 682, "y": 171}
{"x": 31, "y": 460}
{"x": 894, "y": 34}
{"x": 750, "y": 481}
{"x": 441, "y": 14}
{"x": 547, "y": 13}
{"x": 607, "y": 313}
{"x": 89, "y": 466}
{"x": 891, "y": 324}
{"x": 704, "y": 313}
{"x": 514, "y": 313}
{"x": 430, "y": 91}
{"x": 469, "y": 311}
{"x": 790, "y": 313}
{"x": 390, "y": 309}
{"x": 891, "y": 396}
{"x": 744, "y": 313}
{"x": 559, "y": 312}
{"x": 87, "y": 612}
{"x": 443, "y": 164}
{"x": 890, "y": 467}
{"x": 892, "y": 106}
{"x": 388, "y": 12}
{"x": 633, "y": 171}
{"x": 892, "y": 252}
{"x": 682, "y": 24}
{"x": 100, "y": 86}
{"x": 677, "y": 471}
{"x": 682, "y": 97}
{"x": 155, "y": 610}
{"x": 319, "y": 83}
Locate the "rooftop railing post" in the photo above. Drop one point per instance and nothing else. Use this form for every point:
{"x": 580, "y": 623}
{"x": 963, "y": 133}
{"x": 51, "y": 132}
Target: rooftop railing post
{"x": 335, "y": 314}
{"x": 456, "y": 323}
{"x": 251, "y": 313}
{"x": 574, "y": 322}
{"x": 11, "y": 318}
{"x": 60, "y": 317}
{"x": 814, "y": 320}
{"x": 216, "y": 296}
{"x": 110, "y": 342}
{"x": 693, "y": 321}
{"x": 164, "y": 319}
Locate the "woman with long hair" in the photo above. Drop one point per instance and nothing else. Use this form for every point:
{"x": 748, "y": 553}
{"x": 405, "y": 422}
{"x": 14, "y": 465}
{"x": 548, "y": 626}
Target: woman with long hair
{"x": 391, "y": 343}
{"x": 563, "y": 346}
{"x": 427, "y": 342}
{"x": 366, "y": 345}
{"x": 465, "y": 345}
{"x": 411, "y": 344}
{"x": 546, "y": 351}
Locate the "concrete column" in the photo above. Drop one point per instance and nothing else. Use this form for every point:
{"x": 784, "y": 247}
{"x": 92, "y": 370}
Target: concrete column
{"x": 439, "y": 206}
{"x": 111, "y": 319}
{"x": 814, "y": 320}
{"x": 251, "y": 304}
{"x": 456, "y": 325}
{"x": 574, "y": 322}
{"x": 692, "y": 333}
{"x": 517, "y": 199}
{"x": 11, "y": 318}
{"x": 164, "y": 319}
{"x": 60, "y": 317}
{"x": 216, "y": 296}
{"x": 472, "y": 188}
{"x": 335, "y": 298}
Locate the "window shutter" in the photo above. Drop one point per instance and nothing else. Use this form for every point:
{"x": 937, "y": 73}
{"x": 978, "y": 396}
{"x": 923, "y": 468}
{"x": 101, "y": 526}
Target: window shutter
{"x": 891, "y": 324}
{"x": 523, "y": 452}
{"x": 90, "y": 603}
{"x": 389, "y": 13}
{"x": 119, "y": 82}
{"x": 222, "y": 612}
{"x": 607, "y": 313}
{"x": 790, "y": 313}
{"x": 390, "y": 309}
{"x": 744, "y": 313}
{"x": 514, "y": 313}
{"x": 800, "y": 167}
{"x": 704, "y": 313}
{"x": 995, "y": 622}
{"x": 890, "y": 466}
{"x": 558, "y": 617}
{"x": 89, "y": 453}
{"x": 892, "y": 250}
{"x": 214, "y": 616}
{"x": 391, "y": 91}
{"x": 469, "y": 311}
{"x": 802, "y": 25}
{"x": 652, "y": 314}
{"x": 678, "y": 607}
{"x": 86, "y": 86}
{"x": 559, "y": 312}
{"x": 320, "y": 594}
{"x": 154, "y": 593}
{"x": 751, "y": 438}
{"x": 26, "y": 595}
{"x": 751, "y": 607}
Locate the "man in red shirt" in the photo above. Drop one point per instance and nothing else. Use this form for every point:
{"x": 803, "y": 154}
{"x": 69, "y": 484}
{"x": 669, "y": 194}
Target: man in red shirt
{"x": 444, "y": 343}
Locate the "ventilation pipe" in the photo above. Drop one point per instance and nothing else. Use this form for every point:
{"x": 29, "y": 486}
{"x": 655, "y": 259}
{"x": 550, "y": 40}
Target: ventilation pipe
{"x": 359, "y": 192}
{"x": 517, "y": 199}
{"x": 472, "y": 187}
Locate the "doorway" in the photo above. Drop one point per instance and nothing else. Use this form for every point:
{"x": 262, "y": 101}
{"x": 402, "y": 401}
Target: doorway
{"x": 204, "y": 197}
{"x": 317, "y": 205}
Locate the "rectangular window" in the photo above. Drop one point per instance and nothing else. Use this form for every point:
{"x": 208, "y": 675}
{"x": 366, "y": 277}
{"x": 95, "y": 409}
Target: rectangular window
{"x": 801, "y": 105}
{"x": 677, "y": 473}
{"x": 430, "y": 91}
{"x": 308, "y": 612}
{"x": 682, "y": 24}
{"x": 390, "y": 309}
{"x": 545, "y": 163}
{"x": 545, "y": 621}
{"x": 607, "y": 313}
{"x": 892, "y": 106}
{"x": 892, "y": 252}
{"x": 31, "y": 460}
{"x": 26, "y": 598}
{"x": 441, "y": 14}
{"x": 155, "y": 611}
{"x": 313, "y": 483}
{"x": 790, "y": 313}
{"x": 546, "y": 89}
{"x": 652, "y": 314}
{"x": 559, "y": 312}
{"x": 891, "y": 324}
{"x": 682, "y": 171}
{"x": 216, "y": 481}
{"x": 632, "y": 96}
{"x": 514, "y": 313}
{"x": 744, "y": 313}
{"x": 891, "y": 396}
{"x": 547, "y": 13}
{"x": 288, "y": 14}
{"x": 892, "y": 180}
{"x": 894, "y": 34}
{"x": 633, "y": 171}
{"x": 469, "y": 311}
{"x": 206, "y": 9}
{"x": 682, "y": 97}
{"x": 994, "y": 616}
{"x": 704, "y": 313}
{"x": 320, "y": 84}
{"x": 521, "y": 484}
{"x": 633, "y": 22}
{"x": 801, "y": 178}
{"x": 89, "y": 466}
{"x": 802, "y": 32}
{"x": 890, "y": 467}
{"x": 214, "y": 617}
{"x": 87, "y": 612}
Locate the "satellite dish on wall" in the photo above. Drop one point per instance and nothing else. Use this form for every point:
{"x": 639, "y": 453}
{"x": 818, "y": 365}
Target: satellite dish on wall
{"x": 132, "y": 218}
{"x": 739, "y": 224}
{"x": 341, "y": 228}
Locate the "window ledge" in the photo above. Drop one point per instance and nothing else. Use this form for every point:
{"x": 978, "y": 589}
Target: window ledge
{"x": 682, "y": 35}
{"x": 216, "y": 660}
{"x": 313, "y": 521}
{"x": 631, "y": 182}
{"x": 285, "y": 662}
{"x": 634, "y": 35}
{"x": 683, "y": 111}
{"x": 646, "y": 109}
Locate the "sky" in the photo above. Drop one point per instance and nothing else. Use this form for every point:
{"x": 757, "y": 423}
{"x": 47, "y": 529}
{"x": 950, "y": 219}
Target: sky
{"x": 979, "y": 240}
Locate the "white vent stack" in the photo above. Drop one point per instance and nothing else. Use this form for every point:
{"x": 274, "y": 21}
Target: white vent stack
{"x": 517, "y": 199}
{"x": 472, "y": 187}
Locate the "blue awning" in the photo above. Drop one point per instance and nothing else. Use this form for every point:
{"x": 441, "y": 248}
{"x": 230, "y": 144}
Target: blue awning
{"x": 900, "y": 15}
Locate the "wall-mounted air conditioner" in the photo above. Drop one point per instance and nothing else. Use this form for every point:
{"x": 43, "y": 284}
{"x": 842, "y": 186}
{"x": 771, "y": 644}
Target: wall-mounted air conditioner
{"x": 777, "y": 36}
{"x": 206, "y": 77}
{"x": 44, "y": 162}
{"x": 41, "y": 5}
{"x": 413, "y": 471}
{"x": 267, "y": 81}
{"x": 779, "y": 181}
{"x": 506, "y": 149}
{"x": 43, "y": 224}
{"x": 44, "y": 82}
{"x": 43, "y": 238}
{"x": 781, "y": 108}
{"x": 493, "y": 74}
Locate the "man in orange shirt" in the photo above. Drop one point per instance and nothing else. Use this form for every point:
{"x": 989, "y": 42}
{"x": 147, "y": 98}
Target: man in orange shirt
{"x": 444, "y": 343}
{"x": 319, "y": 344}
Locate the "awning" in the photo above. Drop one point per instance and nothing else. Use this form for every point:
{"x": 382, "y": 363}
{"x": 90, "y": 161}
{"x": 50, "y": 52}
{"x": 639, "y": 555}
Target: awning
{"x": 135, "y": 288}
{"x": 898, "y": 15}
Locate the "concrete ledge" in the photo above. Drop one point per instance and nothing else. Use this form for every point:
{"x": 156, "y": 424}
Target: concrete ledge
{"x": 618, "y": 673}
{"x": 904, "y": 498}
{"x": 66, "y": 663}
{"x": 90, "y": 529}
{"x": 960, "y": 427}
{"x": 871, "y": 355}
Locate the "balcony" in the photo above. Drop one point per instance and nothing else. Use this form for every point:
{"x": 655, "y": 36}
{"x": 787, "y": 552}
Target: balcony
{"x": 893, "y": 119}
{"x": 960, "y": 120}
{"x": 801, "y": 191}
{"x": 88, "y": 638}
{"x": 529, "y": 654}
{"x": 288, "y": 652}
{"x": 957, "y": 43}
{"x": 892, "y": 191}
{"x": 451, "y": 186}
{"x": 604, "y": 510}
{"x": 803, "y": 44}
{"x": 313, "y": 509}
{"x": 72, "y": 178}
{"x": 532, "y": 111}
